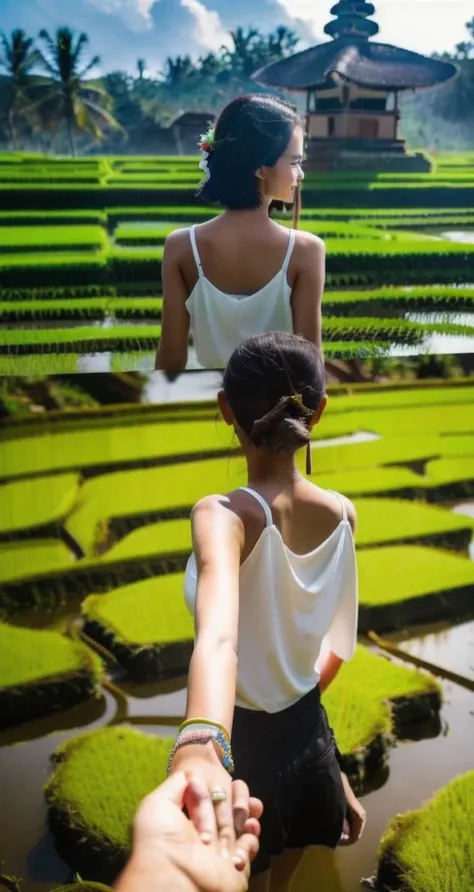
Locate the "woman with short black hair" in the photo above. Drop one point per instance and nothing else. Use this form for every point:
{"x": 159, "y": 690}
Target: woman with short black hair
{"x": 242, "y": 273}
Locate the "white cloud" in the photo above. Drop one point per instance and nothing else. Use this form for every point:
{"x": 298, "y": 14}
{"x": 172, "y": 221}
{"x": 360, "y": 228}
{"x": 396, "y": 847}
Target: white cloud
{"x": 209, "y": 31}
{"x": 135, "y": 13}
{"x": 425, "y": 26}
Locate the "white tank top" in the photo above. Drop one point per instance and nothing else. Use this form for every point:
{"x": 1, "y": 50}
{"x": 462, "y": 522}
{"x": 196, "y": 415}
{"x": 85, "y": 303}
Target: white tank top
{"x": 289, "y": 603}
{"x": 220, "y": 321}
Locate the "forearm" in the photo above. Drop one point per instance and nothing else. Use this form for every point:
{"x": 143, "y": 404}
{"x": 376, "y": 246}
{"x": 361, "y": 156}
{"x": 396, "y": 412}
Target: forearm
{"x": 212, "y": 682}
{"x": 329, "y": 670}
{"x": 153, "y": 874}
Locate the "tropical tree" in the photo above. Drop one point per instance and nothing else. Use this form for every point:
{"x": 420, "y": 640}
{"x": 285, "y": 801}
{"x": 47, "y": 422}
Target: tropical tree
{"x": 81, "y": 103}
{"x": 17, "y": 57}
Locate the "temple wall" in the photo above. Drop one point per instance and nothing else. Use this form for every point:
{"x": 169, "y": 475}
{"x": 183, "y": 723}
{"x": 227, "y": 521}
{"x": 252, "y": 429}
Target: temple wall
{"x": 352, "y": 126}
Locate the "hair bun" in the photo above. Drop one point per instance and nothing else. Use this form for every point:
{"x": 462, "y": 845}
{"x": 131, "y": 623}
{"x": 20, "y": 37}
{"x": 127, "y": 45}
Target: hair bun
{"x": 284, "y": 428}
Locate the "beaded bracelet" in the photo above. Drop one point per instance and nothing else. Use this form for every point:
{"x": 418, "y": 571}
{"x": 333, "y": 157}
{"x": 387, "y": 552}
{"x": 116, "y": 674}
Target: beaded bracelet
{"x": 207, "y": 723}
{"x": 202, "y": 737}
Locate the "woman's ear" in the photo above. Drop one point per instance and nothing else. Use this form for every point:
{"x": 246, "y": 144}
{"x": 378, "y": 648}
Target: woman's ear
{"x": 224, "y": 408}
{"x": 318, "y": 414}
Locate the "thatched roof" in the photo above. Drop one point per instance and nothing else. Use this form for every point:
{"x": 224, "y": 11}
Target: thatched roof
{"x": 357, "y": 60}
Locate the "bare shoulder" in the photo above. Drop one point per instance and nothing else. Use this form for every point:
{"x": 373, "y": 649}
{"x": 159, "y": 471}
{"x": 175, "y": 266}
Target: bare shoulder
{"x": 177, "y": 242}
{"x": 309, "y": 244}
{"x": 215, "y": 508}
{"x": 351, "y": 512}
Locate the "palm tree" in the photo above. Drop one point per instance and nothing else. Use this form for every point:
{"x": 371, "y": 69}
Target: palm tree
{"x": 78, "y": 101}
{"x": 17, "y": 57}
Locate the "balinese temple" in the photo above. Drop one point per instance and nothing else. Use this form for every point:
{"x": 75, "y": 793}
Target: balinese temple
{"x": 352, "y": 86}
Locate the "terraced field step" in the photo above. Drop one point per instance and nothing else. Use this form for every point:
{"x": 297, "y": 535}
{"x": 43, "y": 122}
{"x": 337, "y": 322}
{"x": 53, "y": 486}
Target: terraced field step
{"x": 431, "y": 848}
{"x": 40, "y": 503}
{"x": 391, "y": 301}
{"x": 364, "y": 337}
{"x": 18, "y": 239}
{"x": 432, "y": 586}
{"x": 146, "y": 626}
{"x": 42, "y": 672}
{"x": 116, "y": 767}
{"x": 93, "y": 440}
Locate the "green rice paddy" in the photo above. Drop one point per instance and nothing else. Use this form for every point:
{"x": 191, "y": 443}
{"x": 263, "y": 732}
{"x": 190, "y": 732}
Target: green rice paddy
{"x": 73, "y": 226}
{"x": 432, "y": 848}
{"x": 30, "y": 656}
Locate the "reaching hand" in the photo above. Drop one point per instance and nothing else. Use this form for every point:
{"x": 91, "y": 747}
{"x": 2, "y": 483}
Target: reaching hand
{"x": 165, "y": 840}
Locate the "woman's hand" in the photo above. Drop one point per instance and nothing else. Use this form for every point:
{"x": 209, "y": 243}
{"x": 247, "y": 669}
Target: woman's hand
{"x": 168, "y": 852}
{"x": 219, "y": 824}
{"x": 355, "y": 821}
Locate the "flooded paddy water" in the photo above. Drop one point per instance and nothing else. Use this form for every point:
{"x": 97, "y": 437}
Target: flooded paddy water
{"x": 415, "y": 770}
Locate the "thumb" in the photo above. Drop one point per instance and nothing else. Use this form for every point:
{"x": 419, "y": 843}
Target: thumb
{"x": 173, "y": 788}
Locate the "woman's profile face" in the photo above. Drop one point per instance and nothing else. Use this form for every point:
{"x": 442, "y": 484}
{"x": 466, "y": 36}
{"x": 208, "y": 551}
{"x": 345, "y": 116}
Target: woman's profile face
{"x": 282, "y": 179}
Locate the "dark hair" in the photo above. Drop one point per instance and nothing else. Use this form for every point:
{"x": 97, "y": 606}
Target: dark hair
{"x": 263, "y": 380}
{"x": 252, "y": 131}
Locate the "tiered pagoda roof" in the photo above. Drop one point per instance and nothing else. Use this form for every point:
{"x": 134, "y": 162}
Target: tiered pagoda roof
{"x": 354, "y": 58}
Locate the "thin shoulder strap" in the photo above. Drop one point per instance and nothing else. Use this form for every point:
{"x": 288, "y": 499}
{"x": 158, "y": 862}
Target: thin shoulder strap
{"x": 291, "y": 244}
{"x": 197, "y": 258}
{"x": 342, "y": 503}
{"x": 262, "y": 502}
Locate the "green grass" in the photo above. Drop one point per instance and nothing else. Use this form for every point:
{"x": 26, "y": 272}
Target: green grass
{"x": 357, "y": 700}
{"x": 101, "y": 777}
{"x": 68, "y": 217}
{"x": 54, "y": 238}
{"x": 148, "y": 612}
{"x": 411, "y": 420}
{"x": 43, "y": 501}
{"x": 451, "y": 470}
{"x": 423, "y": 571}
{"x": 32, "y": 558}
{"x": 28, "y": 656}
{"x": 388, "y": 520}
{"x": 434, "y": 847}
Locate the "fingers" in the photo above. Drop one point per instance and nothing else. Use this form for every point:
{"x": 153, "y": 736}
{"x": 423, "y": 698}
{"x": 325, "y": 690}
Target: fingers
{"x": 224, "y": 815}
{"x": 200, "y": 808}
{"x": 240, "y": 805}
{"x": 246, "y": 851}
{"x": 245, "y": 806}
{"x": 255, "y": 807}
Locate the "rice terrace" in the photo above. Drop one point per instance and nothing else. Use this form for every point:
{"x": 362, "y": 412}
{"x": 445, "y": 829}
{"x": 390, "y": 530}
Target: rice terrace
{"x": 95, "y": 639}
{"x": 81, "y": 242}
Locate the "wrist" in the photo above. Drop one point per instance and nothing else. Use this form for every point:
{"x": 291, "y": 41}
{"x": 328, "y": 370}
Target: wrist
{"x": 191, "y": 751}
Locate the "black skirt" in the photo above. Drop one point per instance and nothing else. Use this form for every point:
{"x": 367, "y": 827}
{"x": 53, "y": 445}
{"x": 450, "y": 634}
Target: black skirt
{"x": 290, "y": 761}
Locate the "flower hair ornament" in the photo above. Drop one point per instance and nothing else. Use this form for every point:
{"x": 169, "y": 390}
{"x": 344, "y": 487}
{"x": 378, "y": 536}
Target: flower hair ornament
{"x": 206, "y": 144}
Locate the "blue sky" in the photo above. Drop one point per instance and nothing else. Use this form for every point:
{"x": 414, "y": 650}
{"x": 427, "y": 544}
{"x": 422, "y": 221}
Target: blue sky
{"x": 121, "y": 31}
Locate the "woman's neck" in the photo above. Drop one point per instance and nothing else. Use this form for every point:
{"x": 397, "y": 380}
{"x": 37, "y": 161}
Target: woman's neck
{"x": 278, "y": 469}
{"x": 246, "y": 217}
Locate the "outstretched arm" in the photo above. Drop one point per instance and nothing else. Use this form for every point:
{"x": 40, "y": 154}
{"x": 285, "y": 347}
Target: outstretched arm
{"x": 218, "y": 540}
{"x": 308, "y": 289}
{"x": 172, "y": 352}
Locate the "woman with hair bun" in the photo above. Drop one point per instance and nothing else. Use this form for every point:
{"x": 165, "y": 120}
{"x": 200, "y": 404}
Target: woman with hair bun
{"x": 272, "y": 575}
{"x": 242, "y": 273}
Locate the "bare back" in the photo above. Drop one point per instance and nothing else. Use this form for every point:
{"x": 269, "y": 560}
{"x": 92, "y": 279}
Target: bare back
{"x": 305, "y": 515}
{"x": 240, "y": 254}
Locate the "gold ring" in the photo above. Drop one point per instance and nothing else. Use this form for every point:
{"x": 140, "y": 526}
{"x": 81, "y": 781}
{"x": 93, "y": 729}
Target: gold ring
{"x": 218, "y": 795}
